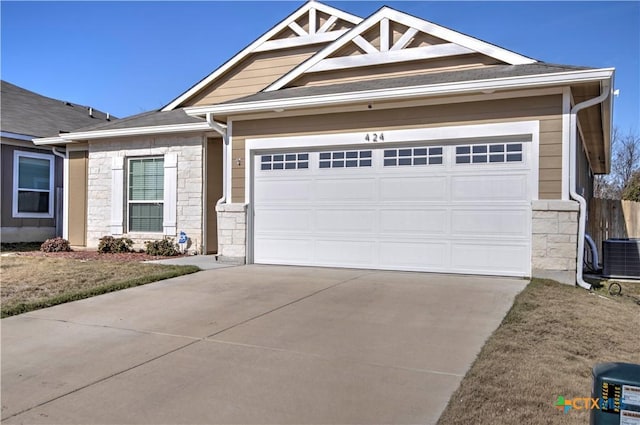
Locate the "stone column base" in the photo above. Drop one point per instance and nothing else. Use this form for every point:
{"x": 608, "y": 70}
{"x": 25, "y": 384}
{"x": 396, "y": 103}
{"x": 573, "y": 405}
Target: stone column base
{"x": 555, "y": 239}
{"x": 232, "y": 233}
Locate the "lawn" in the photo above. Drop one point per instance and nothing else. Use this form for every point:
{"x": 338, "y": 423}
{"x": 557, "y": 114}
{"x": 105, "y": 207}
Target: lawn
{"x": 546, "y": 347}
{"x": 33, "y": 282}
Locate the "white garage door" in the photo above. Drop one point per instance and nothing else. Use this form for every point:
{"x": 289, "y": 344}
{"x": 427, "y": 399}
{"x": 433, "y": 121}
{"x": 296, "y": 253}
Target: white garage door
{"x": 461, "y": 208}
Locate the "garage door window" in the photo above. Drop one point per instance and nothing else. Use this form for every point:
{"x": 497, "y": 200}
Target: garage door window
{"x": 284, "y": 161}
{"x": 489, "y": 153}
{"x": 413, "y": 156}
{"x": 345, "y": 159}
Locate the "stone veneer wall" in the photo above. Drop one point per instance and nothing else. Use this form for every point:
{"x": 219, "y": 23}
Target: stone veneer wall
{"x": 555, "y": 237}
{"x": 232, "y": 233}
{"x": 189, "y": 184}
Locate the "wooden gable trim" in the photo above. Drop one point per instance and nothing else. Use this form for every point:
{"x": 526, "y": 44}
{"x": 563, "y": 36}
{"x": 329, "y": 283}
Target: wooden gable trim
{"x": 265, "y": 42}
{"x": 466, "y": 44}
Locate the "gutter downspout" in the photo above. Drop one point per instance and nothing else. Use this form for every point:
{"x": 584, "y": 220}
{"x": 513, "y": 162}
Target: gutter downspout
{"x": 222, "y": 130}
{"x": 65, "y": 190}
{"x": 573, "y": 158}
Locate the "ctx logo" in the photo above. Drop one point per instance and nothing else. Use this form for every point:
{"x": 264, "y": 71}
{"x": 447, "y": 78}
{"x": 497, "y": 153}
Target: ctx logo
{"x": 581, "y": 403}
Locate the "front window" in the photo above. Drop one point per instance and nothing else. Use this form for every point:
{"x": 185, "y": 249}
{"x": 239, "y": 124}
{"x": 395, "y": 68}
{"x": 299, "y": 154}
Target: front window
{"x": 32, "y": 185}
{"x": 145, "y": 195}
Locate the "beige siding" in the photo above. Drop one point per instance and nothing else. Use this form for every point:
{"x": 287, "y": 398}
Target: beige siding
{"x": 78, "y": 162}
{"x": 394, "y": 70}
{"x": 252, "y": 75}
{"x": 546, "y": 109}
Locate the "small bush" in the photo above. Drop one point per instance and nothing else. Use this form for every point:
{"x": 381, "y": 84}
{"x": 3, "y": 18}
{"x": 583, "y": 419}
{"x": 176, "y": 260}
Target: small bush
{"x": 165, "y": 247}
{"x": 111, "y": 245}
{"x": 55, "y": 245}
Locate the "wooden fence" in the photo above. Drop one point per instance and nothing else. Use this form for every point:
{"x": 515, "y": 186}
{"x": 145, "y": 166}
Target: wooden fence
{"x": 609, "y": 218}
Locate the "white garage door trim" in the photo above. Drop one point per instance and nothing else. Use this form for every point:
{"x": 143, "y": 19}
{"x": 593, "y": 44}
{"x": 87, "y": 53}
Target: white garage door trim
{"x": 527, "y": 130}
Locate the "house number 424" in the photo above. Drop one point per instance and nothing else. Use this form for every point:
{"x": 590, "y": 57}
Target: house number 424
{"x": 374, "y": 137}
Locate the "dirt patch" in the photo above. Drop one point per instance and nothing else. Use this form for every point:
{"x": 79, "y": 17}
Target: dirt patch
{"x": 546, "y": 347}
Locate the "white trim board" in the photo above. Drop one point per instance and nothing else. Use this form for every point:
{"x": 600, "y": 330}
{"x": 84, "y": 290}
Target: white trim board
{"x": 258, "y": 45}
{"x": 388, "y": 14}
{"x": 120, "y": 132}
{"x": 443, "y": 134}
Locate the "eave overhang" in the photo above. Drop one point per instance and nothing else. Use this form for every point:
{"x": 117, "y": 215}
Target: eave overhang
{"x": 401, "y": 93}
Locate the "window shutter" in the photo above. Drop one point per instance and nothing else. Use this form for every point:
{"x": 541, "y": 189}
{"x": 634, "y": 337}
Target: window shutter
{"x": 170, "y": 194}
{"x": 117, "y": 195}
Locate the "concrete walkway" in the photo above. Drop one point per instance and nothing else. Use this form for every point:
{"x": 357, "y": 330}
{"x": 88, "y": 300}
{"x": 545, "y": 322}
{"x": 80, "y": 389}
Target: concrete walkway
{"x": 253, "y": 344}
{"x": 205, "y": 262}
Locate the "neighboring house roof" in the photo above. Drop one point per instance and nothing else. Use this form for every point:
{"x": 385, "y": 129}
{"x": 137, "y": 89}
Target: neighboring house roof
{"x": 145, "y": 119}
{"x": 270, "y": 41}
{"x": 487, "y": 73}
{"x": 26, "y": 113}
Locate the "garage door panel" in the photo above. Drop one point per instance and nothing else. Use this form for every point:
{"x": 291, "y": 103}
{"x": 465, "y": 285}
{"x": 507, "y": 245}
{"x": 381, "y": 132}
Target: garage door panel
{"x": 490, "y": 258}
{"x": 347, "y": 189}
{"x": 278, "y": 190}
{"x": 414, "y": 221}
{"x": 350, "y": 221}
{"x": 348, "y": 253}
{"x": 272, "y": 249}
{"x": 490, "y": 223}
{"x": 415, "y": 255}
{"x": 489, "y": 187}
{"x": 285, "y": 220}
{"x": 413, "y": 188}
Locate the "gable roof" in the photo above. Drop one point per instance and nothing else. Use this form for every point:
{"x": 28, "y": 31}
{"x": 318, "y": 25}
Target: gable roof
{"x": 496, "y": 77}
{"x": 30, "y": 114}
{"x": 457, "y": 44}
{"x": 268, "y": 41}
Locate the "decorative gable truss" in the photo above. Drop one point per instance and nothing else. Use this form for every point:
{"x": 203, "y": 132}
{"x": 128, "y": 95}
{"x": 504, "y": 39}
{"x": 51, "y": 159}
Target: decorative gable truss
{"x": 389, "y": 36}
{"x": 313, "y": 23}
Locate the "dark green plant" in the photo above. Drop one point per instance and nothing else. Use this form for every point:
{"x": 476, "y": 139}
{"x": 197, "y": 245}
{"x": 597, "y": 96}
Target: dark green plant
{"x": 55, "y": 245}
{"x": 111, "y": 245}
{"x": 631, "y": 191}
{"x": 165, "y": 247}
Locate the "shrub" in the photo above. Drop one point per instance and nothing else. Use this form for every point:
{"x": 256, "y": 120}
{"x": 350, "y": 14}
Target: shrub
{"x": 111, "y": 245}
{"x": 165, "y": 247}
{"x": 55, "y": 245}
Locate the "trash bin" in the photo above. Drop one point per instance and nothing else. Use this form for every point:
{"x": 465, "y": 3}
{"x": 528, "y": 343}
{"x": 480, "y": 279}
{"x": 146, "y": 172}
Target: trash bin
{"x": 617, "y": 388}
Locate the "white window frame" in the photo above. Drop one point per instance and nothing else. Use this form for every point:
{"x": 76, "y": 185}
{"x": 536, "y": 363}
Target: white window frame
{"x": 128, "y": 201}
{"x": 16, "y": 179}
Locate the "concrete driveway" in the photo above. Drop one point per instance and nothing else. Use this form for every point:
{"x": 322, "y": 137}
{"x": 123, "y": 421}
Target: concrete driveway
{"x": 253, "y": 344}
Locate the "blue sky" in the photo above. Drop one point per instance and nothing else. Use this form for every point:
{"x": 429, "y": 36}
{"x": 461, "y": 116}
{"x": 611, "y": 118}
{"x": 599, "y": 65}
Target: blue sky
{"x": 129, "y": 57}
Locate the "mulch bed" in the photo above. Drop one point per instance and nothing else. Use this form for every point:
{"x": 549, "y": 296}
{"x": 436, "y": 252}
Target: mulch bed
{"x": 94, "y": 255}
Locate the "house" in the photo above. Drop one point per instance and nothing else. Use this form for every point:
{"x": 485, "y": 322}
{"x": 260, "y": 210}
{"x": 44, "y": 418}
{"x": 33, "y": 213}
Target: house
{"x": 388, "y": 142}
{"x": 32, "y": 176}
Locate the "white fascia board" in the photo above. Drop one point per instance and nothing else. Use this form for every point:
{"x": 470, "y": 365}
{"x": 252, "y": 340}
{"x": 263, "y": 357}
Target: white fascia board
{"x": 411, "y": 22}
{"x": 380, "y": 58}
{"x": 253, "y": 46}
{"x": 134, "y": 131}
{"x": 55, "y": 140}
{"x": 519, "y": 82}
{"x": 15, "y": 136}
